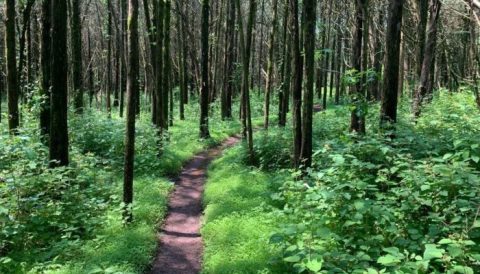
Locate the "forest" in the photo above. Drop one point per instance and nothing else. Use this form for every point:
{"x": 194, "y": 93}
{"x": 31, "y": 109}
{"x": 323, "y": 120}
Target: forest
{"x": 239, "y": 136}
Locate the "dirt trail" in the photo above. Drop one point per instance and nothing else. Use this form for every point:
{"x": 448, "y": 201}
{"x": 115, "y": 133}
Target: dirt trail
{"x": 180, "y": 243}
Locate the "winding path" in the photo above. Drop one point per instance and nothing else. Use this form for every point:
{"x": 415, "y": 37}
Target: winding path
{"x": 180, "y": 243}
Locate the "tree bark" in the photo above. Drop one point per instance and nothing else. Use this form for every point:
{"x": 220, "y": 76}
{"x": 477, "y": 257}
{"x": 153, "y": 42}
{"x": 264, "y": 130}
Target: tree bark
{"x": 45, "y": 52}
{"x": 271, "y": 51}
{"x": 310, "y": 7}
{"x": 425, "y": 86}
{"x": 76, "y": 43}
{"x": 297, "y": 84}
{"x": 388, "y": 115}
{"x": 59, "y": 102}
{"x": 132, "y": 89}
{"x": 204, "y": 91}
{"x": 12, "y": 78}
{"x": 358, "y": 116}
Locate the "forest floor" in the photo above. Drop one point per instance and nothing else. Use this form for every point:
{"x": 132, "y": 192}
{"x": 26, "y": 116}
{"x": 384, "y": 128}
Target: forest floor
{"x": 180, "y": 244}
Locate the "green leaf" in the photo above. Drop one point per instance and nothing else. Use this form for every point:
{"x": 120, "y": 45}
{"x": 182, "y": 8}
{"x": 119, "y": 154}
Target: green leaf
{"x": 388, "y": 260}
{"x": 314, "y": 265}
{"x": 463, "y": 269}
{"x": 445, "y": 241}
{"x": 476, "y": 159}
{"x": 476, "y": 224}
{"x": 432, "y": 252}
{"x": 292, "y": 259}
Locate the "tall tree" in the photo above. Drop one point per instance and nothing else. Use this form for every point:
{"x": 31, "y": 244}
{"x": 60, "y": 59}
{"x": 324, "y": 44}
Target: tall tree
{"x": 245, "y": 52}
{"x": 45, "y": 52}
{"x": 12, "y": 78}
{"x": 204, "y": 91}
{"x": 310, "y": 7}
{"x": 58, "y": 114}
{"x": 270, "y": 65}
{"x": 228, "y": 80}
{"x": 358, "y": 116}
{"x": 108, "y": 91}
{"x": 132, "y": 89}
{"x": 167, "y": 67}
{"x": 425, "y": 86}
{"x": 284, "y": 94}
{"x": 76, "y": 43}
{"x": 421, "y": 32}
{"x": 297, "y": 84}
{"x": 392, "y": 65}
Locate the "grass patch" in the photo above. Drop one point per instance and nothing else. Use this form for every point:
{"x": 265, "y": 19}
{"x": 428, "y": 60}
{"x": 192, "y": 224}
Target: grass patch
{"x": 238, "y": 221}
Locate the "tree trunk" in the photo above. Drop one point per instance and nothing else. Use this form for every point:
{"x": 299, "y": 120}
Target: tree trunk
{"x": 132, "y": 90}
{"x": 168, "y": 119}
{"x": 428, "y": 60}
{"x": 284, "y": 94}
{"x": 59, "y": 102}
{"x": 12, "y": 78}
{"x": 310, "y": 7}
{"x": 227, "y": 90}
{"x": 91, "y": 75}
{"x": 422, "y": 25}
{"x": 358, "y": 114}
{"x": 108, "y": 88}
{"x": 76, "y": 43}
{"x": 204, "y": 91}
{"x": 271, "y": 62}
{"x": 45, "y": 67}
{"x": 123, "y": 61}
{"x": 297, "y": 84}
{"x": 245, "y": 52}
{"x": 388, "y": 114}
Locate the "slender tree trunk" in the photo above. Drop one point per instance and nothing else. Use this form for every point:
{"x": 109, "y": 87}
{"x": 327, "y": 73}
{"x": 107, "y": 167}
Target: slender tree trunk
{"x": 376, "y": 85}
{"x": 108, "y": 88}
{"x": 428, "y": 60}
{"x": 358, "y": 116}
{"x": 45, "y": 53}
{"x": 159, "y": 114}
{"x": 310, "y": 7}
{"x": 245, "y": 52}
{"x": 227, "y": 90}
{"x": 204, "y": 91}
{"x": 422, "y": 34}
{"x": 181, "y": 61}
{"x": 132, "y": 89}
{"x": 91, "y": 74}
{"x": 284, "y": 95}
{"x": 168, "y": 119}
{"x": 297, "y": 84}
{"x": 58, "y": 118}
{"x": 76, "y": 42}
{"x": 12, "y": 78}
{"x": 2, "y": 69}
{"x": 388, "y": 114}
{"x": 271, "y": 62}
{"x": 123, "y": 61}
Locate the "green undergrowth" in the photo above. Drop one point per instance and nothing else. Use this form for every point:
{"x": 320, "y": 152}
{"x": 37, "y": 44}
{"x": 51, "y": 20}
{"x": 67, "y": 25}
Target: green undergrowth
{"x": 68, "y": 220}
{"x": 238, "y": 217}
{"x": 371, "y": 204}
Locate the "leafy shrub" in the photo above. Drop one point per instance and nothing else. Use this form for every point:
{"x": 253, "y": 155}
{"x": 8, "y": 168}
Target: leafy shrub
{"x": 371, "y": 205}
{"x": 272, "y": 149}
{"x": 46, "y": 210}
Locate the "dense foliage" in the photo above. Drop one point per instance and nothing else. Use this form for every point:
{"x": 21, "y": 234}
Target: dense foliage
{"x": 405, "y": 205}
{"x": 68, "y": 220}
